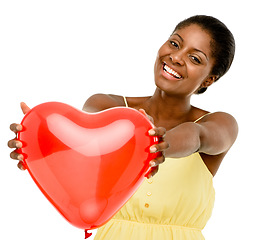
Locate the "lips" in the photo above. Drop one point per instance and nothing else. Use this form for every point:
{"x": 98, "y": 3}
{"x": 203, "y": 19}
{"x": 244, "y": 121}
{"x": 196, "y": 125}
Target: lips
{"x": 171, "y": 72}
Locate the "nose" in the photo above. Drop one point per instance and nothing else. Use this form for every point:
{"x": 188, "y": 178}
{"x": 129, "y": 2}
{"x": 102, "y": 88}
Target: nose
{"x": 177, "y": 57}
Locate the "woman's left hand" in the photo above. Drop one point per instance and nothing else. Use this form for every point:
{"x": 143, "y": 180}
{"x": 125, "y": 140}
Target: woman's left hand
{"x": 159, "y": 148}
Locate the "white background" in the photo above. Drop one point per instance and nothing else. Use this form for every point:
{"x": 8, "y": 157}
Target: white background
{"x": 68, "y": 50}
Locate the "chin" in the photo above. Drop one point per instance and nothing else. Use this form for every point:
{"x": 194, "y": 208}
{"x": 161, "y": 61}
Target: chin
{"x": 171, "y": 90}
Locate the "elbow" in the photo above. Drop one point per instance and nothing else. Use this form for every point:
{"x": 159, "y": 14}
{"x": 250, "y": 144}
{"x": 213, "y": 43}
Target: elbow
{"x": 197, "y": 142}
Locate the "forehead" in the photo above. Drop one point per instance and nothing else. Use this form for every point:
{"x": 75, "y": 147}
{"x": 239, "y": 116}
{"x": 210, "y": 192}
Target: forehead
{"x": 194, "y": 36}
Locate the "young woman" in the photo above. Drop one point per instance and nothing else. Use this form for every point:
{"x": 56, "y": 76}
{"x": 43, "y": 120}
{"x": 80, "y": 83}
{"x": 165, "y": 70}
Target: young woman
{"x": 177, "y": 202}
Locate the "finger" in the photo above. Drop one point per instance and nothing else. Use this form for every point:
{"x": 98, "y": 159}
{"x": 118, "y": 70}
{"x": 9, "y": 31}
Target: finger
{"x": 142, "y": 111}
{"x": 14, "y": 144}
{"x": 24, "y": 108}
{"x": 21, "y": 166}
{"x": 152, "y": 172}
{"x": 146, "y": 115}
{"x": 17, "y": 156}
{"x": 16, "y": 127}
{"x": 160, "y": 131}
{"x": 159, "y": 147}
{"x": 155, "y": 162}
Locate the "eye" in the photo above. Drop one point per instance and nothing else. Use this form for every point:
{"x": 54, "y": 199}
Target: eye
{"x": 195, "y": 59}
{"x": 173, "y": 43}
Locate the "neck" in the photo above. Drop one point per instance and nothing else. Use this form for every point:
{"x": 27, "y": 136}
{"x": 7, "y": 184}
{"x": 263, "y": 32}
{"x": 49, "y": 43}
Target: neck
{"x": 164, "y": 106}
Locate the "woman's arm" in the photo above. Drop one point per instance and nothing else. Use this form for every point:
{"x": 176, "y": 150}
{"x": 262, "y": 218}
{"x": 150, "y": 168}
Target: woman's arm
{"x": 213, "y": 135}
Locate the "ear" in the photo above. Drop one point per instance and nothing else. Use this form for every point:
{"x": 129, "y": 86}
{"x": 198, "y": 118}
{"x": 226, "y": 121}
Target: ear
{"x": 209, "y": 81}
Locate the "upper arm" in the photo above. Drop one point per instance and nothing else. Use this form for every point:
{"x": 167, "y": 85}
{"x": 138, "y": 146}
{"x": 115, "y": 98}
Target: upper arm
{"x": 218, "y": 132}
{"x": 100, "y": 102}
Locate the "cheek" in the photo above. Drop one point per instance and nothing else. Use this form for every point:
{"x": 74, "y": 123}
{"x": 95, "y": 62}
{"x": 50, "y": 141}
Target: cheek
{"x": 163, "y": 51}
{"x": 157, "y": 57}
{"x": 156, "y": 66}
{"x": 158, "y": 61}
{"x": 198, "y": 73}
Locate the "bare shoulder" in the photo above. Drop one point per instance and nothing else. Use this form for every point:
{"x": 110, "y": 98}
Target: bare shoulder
{"x": 221, "y": 118}
{"x": 204, "y": 116}
{"x": 100, "y": 102}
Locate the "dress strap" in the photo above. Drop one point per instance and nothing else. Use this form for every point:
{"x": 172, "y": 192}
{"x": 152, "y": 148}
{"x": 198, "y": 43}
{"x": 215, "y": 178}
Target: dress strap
{"x": 125, "y": 100}
{"x": 201, "y": 117}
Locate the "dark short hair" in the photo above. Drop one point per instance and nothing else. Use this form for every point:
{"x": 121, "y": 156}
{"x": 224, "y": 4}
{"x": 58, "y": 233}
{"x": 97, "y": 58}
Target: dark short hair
{"x": 222, "y": 44}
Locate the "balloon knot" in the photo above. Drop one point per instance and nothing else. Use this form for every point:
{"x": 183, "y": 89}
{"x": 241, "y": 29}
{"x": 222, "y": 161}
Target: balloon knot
{"x": 87, "y": 234}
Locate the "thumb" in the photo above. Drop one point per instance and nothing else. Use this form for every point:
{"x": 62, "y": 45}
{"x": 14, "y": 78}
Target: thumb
{"x": 146, "y": 115}
{"x": 24, "y": 108}
{"x": 142, "y": 111}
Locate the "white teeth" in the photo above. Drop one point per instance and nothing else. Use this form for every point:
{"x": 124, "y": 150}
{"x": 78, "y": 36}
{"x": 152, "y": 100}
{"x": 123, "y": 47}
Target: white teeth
{"x": 171, "y": 71}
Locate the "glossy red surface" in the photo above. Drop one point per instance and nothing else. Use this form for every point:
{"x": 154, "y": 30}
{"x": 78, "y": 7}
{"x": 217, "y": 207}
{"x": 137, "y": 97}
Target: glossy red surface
{"x": 87, "y": 165}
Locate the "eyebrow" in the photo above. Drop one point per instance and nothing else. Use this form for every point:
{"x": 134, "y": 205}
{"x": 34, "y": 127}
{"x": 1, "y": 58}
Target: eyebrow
{"x": 194, "y": 49}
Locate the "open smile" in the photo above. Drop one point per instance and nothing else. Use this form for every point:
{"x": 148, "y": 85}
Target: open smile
{"x": 171, "y": 72}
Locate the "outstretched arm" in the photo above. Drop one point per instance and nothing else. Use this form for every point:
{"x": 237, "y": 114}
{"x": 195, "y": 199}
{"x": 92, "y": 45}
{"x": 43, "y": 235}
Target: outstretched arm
{"x": 212, "y": 135}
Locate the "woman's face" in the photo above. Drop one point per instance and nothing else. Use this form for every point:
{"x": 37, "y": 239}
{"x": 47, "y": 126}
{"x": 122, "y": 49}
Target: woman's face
{"x": 184, "y": 62}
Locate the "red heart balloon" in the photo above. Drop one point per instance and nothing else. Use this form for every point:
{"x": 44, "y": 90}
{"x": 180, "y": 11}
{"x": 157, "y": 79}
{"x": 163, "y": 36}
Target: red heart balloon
{"x": 87, "y": 165}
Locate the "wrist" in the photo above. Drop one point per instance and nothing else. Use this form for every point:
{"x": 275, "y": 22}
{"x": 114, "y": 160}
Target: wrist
{"x": 183, "y": 140}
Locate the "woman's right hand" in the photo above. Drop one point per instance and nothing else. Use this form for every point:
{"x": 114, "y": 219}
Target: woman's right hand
{"x": 14, "y": 143}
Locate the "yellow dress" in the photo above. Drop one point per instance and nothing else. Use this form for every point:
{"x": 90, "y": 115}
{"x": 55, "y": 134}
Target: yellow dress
{"x": 175, "y": 204}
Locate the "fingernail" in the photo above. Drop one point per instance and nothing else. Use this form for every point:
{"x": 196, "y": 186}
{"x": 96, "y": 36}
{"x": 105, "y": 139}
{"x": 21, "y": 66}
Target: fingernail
{"x": 21, "y": 166}
{"x": 18, "y": 128}
{"x": 18, "y": 145}
{"x": 151, "y": 132}
{"x": 153, "y": 149}
{"x": 152, "y": 164}
{"x": 149, "y": 176}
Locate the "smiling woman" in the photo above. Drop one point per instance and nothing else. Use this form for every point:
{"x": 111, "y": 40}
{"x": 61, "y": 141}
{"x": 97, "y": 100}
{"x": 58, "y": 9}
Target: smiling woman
{"x": 187, "y": 58}
{"x": 177, "y": 202}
